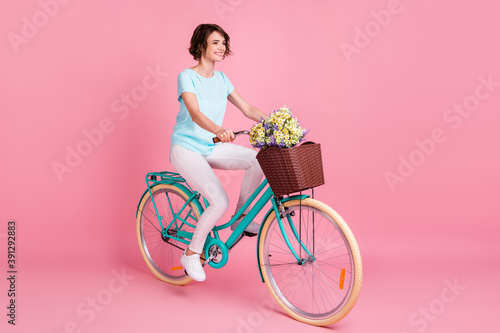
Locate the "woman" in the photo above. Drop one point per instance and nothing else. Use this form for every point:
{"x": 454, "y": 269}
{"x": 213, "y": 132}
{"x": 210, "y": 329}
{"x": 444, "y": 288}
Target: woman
{"x": 203, "y": 93}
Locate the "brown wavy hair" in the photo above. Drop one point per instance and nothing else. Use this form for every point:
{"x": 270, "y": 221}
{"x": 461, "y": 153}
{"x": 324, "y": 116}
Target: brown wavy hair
{"x": 199, "y": 40}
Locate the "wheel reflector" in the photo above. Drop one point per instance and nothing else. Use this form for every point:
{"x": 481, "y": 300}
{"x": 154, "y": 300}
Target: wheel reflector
{"x": 176, "y": 268}
{"x": 342, "y": 277}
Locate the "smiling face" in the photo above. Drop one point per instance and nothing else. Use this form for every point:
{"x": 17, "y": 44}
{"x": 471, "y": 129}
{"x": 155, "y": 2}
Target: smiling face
{"x": 211, "y": 42}
{"x": 215, "y": 47}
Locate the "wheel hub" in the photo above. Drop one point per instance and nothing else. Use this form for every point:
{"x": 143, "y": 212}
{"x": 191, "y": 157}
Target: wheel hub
{"x": 305, "y": 261}
{"x": 166, "y": 234}
{"x": 215, "y": 252}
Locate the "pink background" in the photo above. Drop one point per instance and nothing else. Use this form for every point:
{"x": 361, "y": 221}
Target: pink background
{"x": 76, "y": 231}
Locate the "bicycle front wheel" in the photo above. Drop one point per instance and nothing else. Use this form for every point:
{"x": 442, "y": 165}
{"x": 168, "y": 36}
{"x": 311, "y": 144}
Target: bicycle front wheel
{"x": 323, "y": 286}
{"x": 162, "y": 253}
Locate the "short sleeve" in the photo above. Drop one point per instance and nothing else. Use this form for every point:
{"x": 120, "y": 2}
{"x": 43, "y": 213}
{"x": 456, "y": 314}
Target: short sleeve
{"x": 229, "y": 85}
{"x": 184, "y": 83}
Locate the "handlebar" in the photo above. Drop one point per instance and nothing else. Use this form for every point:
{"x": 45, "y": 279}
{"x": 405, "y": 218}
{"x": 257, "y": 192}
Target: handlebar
{"x": 216, "y": 139}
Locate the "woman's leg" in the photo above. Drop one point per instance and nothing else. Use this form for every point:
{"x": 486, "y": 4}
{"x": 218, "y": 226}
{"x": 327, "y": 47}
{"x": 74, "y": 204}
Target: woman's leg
{"x": 200, "y": 176}
{"x": 229, "y": 156}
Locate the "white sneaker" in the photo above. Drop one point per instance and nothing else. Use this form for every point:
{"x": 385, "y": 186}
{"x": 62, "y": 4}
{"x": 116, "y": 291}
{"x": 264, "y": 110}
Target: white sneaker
{"x": 193, "y": 267}
{"x": 252, "y": 228}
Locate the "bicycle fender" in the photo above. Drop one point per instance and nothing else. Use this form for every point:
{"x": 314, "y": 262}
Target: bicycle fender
{"x": 183, "y": 188}
{"x": 293, "y": 197}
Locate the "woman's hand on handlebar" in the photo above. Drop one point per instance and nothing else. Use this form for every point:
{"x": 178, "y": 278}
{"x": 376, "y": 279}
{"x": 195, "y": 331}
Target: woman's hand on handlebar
{"x": 225, "y": 135}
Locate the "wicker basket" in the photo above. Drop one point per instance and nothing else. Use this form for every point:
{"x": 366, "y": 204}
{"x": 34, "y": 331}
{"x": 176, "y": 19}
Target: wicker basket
{"x": 293, "y": 169}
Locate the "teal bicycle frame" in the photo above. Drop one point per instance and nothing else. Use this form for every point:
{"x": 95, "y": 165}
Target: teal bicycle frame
{"x": 266, "y": 195}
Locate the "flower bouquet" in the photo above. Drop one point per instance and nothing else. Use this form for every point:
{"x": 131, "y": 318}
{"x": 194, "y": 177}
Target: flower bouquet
{"x": 280, "y": 129}
{"x": 287, "y": 166}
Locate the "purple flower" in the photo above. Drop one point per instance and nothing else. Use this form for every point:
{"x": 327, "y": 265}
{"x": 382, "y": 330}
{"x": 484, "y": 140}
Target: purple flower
{"x": 259, "y": 144}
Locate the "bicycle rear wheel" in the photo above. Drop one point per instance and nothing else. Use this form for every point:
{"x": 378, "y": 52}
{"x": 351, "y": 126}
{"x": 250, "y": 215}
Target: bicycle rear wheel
{"x": 162, "y": 254}
{"x": 323, "y": 287}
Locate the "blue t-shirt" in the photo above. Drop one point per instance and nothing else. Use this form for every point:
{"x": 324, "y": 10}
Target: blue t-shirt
{"x": 211, "y": 94}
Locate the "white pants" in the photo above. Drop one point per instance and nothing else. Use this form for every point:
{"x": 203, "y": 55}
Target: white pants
{"x": 197, "y": 170}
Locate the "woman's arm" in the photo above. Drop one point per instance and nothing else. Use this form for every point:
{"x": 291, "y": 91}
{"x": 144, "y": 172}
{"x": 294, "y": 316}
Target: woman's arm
{"x": 248, "y": 110}
{"x": 191, "y": 102}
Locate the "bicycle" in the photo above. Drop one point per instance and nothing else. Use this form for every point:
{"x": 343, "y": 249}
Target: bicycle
{"x": 306, "y": 253}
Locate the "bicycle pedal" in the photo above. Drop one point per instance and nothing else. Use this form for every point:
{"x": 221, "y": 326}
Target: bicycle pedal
{"x": 207, "y": 261}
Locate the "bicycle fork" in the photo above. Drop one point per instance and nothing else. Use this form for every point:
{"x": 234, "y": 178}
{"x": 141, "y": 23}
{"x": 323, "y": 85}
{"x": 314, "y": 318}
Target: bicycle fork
{"x": 281, "y": 213}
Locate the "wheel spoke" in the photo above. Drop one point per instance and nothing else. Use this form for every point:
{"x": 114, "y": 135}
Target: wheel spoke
{"x": 296, "y": 287}
{"x": 326, "y": 283}
{"x": 284, "y": 251}
{"x": 319, "y": 285}
{"x": 150, "y": 221}
{"x": 333, "y": 248}
{"x": 286, "y": 276}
